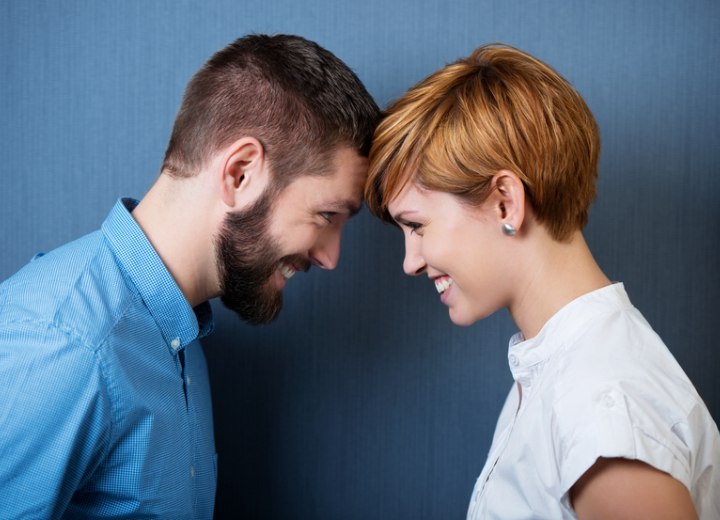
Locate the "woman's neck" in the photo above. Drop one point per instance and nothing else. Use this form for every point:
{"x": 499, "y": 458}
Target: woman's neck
{"x": 555, "y": 274}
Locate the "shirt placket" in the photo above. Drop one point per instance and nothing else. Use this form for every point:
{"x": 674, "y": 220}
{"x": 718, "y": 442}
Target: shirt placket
{"x": 187, "y": 424}
{"x": 192, "y": 427}
{"x": 523, "y": 385}
{"x": 494, "y": 456}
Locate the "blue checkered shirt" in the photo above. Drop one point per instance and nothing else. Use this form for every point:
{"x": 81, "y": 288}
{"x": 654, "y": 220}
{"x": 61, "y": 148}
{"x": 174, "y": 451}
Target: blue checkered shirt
{"x": 104, "y": 395}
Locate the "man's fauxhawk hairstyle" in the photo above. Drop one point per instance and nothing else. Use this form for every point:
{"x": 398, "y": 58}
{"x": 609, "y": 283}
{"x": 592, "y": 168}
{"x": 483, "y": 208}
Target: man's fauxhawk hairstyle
{"x": 298, "y": 99}
{"x": 500, "y": 108}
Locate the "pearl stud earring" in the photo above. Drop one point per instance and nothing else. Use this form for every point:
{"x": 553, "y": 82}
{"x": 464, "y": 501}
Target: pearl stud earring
{"x": 509, "y": 229}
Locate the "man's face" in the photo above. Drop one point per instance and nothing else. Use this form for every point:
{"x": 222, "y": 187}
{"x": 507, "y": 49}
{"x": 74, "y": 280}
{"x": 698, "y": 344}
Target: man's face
{"x": 260, "y": 248}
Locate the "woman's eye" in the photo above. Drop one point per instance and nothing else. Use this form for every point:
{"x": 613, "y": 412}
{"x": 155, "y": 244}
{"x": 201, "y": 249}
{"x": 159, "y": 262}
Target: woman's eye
{"x": 414, "y": 227}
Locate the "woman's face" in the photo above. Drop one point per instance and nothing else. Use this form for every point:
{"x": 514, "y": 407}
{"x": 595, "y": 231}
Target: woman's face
{"x": 461, "y": 248}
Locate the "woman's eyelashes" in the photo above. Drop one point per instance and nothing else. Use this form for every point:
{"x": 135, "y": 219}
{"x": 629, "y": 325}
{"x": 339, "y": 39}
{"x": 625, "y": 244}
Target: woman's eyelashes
{"x": 414, "y": 227}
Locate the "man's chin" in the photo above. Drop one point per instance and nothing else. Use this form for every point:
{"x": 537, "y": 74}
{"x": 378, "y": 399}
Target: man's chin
{"x": 257, "y": 313}
{"x": 260, "y": 320}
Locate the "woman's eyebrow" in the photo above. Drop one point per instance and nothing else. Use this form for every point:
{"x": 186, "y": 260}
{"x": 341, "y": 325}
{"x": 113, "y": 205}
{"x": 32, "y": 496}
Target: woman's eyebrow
{"x": 400, "y": 216}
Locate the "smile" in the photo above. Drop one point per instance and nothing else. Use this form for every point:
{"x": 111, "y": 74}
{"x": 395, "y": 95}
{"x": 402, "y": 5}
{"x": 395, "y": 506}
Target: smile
{"x": 443, "y": 283}
{"x": 287, "y": 270}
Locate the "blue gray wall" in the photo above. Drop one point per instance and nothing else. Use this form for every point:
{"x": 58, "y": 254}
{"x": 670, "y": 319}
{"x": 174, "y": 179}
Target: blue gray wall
{"x": 363, "y": 401}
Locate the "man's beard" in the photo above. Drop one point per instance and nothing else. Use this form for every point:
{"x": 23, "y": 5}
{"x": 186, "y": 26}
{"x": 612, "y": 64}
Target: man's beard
{"x": 247, "y": 258}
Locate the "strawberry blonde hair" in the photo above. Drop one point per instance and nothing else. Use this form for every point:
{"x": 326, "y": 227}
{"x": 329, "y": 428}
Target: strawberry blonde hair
{"x": 500, "y": 108}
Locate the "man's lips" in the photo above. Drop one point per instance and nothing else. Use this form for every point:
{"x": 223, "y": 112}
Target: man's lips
{"x": 291, "y": 265}
{"x": 287, "y": 270}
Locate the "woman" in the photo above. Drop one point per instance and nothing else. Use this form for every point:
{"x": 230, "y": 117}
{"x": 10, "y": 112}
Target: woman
{"x": 489, "y": 167}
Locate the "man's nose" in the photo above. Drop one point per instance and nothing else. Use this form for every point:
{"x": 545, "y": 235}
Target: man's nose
{"x": 326, "y": 252}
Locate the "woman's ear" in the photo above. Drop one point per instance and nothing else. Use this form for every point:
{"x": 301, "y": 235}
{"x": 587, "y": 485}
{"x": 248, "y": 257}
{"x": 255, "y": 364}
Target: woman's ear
{"x": 509, "y": 201}
{"x": 243, "y": 172}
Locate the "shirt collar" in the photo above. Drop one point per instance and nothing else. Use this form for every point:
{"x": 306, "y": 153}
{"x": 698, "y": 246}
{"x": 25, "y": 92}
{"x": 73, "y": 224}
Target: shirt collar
{"x": 526, "y": 357}
{"x": 178, "y": 322}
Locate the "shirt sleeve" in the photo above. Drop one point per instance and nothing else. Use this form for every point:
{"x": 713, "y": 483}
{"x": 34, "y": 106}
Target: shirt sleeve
{"x": 54, "y": 418}
{"x": 614, "y": 420}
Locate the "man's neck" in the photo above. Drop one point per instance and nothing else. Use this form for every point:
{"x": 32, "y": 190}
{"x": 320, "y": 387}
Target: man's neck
{"x": 178, "y": 219}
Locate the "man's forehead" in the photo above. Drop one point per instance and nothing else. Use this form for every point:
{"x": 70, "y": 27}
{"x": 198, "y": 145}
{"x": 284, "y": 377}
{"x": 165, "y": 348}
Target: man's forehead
{"x": 344, "y": 183}
{"x": 337, "y": 192}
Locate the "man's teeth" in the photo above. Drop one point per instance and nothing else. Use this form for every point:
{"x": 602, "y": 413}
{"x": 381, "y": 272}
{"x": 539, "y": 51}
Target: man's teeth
{"x": 443, "y": 284}
{"x": 286, "y": 270}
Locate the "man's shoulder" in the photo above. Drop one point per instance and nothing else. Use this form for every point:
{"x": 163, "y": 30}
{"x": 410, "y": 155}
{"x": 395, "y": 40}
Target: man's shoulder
{"x": 77, "y": 287}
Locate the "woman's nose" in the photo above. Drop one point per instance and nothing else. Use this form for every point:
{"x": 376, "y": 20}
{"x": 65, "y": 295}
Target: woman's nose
{"x": 414, "y": 263}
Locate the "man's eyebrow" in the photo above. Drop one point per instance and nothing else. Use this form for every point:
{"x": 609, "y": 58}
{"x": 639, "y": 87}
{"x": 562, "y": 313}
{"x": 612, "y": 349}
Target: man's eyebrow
{"x": 348, "y": 206}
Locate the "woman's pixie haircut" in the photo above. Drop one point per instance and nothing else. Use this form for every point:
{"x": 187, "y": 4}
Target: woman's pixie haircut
{"x": 500, "y": 108}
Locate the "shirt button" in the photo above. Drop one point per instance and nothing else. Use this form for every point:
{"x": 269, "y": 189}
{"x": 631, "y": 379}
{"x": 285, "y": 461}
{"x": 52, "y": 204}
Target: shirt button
{"x": 514, "y": 360}
{"x": 175, "y": 344}
{"x": 192, "y": 471}
{"x": 187, "y": 380}
{"x": 609, "y": 401}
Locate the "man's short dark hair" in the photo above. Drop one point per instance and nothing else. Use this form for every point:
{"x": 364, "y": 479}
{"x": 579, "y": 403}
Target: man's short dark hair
{"x": 298, "y": 99}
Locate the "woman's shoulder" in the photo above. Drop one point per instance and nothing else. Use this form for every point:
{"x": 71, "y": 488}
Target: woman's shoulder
{"x": 617, "y": 391}
{"x": 617, "y": 356}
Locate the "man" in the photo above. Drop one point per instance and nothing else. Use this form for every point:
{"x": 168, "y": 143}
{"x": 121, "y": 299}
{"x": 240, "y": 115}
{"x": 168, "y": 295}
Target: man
{"x": 105, "y": 409}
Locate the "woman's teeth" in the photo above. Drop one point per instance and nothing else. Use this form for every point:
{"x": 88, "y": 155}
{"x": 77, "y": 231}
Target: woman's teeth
{"x": 443, "y": 284}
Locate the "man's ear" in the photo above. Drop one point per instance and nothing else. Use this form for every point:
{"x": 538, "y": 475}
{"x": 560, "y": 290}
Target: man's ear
{"x": 508, "y": 199}
{"x": 243, "y": 172}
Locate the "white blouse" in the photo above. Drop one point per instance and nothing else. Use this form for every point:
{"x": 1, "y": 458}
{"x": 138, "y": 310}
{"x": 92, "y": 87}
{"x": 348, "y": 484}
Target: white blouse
{"x": 595, "y": 382}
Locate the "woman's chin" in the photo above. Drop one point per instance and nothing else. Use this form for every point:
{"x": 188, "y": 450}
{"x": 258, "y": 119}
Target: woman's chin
{"x": 461, "y": 319}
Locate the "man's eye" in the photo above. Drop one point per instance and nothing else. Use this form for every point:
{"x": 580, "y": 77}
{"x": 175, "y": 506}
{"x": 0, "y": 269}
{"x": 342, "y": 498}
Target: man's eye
{"x": 328, "y": 215}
